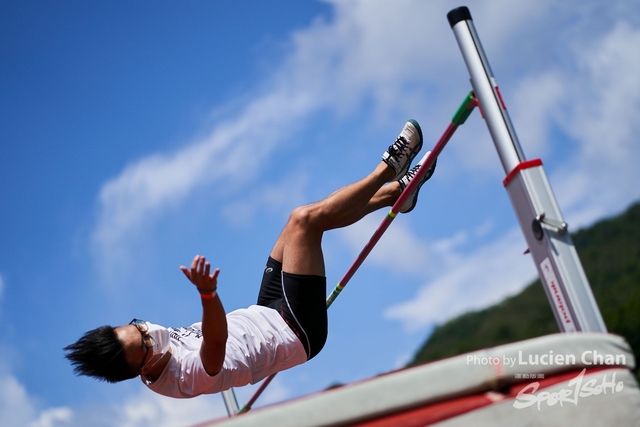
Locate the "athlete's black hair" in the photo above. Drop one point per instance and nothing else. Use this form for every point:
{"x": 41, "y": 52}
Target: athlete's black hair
{"x": 100, "y": 354}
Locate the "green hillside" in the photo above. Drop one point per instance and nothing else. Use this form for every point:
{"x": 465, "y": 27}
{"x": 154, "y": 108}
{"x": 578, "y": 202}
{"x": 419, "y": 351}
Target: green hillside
{"x": 610, "y": 255}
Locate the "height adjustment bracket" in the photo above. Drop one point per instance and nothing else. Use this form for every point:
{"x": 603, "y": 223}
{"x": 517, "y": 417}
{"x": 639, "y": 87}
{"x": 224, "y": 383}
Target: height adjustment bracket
{"x": 536, "y": 225}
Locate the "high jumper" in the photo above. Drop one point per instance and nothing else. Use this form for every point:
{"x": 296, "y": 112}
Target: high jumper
{"x": 288, "y": 324}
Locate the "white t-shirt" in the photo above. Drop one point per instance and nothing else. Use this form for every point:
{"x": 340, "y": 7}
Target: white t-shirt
{"x": 259, "y": 344}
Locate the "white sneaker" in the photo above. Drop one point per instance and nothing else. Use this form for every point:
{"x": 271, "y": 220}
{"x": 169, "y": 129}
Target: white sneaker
{"x": 412, "y": 200}
{"x": 401, "y": 153}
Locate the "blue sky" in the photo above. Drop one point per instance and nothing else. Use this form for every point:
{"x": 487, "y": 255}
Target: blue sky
{"x": 136, "y": 135}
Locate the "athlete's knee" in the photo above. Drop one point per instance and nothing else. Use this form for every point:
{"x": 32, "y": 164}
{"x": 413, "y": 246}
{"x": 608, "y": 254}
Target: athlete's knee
{"x": 304, "y": 218}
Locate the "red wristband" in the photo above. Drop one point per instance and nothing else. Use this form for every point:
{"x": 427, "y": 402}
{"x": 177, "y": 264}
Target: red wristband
{"x": 208, "y": 295}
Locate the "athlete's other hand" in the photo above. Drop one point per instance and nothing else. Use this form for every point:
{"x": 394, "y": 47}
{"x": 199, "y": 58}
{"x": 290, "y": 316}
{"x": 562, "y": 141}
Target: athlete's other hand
{"x": 200, "y": 274}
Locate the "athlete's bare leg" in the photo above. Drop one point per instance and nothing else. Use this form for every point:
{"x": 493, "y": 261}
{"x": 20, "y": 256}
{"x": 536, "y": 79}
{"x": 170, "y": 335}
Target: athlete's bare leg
{"x": 299, "y": 245}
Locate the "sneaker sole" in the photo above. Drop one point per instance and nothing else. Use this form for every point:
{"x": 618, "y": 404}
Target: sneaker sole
{"x": 417, "y": 126}
{"x": 426, "y": 178}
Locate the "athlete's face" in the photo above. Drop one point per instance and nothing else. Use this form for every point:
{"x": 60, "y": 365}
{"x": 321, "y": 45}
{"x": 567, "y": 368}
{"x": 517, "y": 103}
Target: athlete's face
{"x": 135, "y": 350}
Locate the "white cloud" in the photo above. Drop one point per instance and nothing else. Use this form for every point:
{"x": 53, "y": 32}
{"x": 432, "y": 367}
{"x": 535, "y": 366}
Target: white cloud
{"x": 536, "y": 107}
{"x": 16, "y": 408}
{"x": 277, "y": 391}
{"x": 160, "y": 181}
{"x": 150, "y": 409}
{"x": 19, "y": 408}
{"x": 399, "y": 250}
{"x": 481, "y": 278}
{"x": 369, "y": 49}
{"x": 325, "y": 60}
{"x": 605, "y": 122}
{"x": 53, "y": 417}
{"x": 281, "y": 197}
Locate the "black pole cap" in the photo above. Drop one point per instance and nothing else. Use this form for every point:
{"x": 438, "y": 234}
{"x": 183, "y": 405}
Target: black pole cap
{"x": 459, "y": 14}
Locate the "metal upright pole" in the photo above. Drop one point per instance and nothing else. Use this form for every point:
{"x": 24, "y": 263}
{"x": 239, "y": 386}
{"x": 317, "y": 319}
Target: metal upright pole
{"x": 538, "y": 213}
{"x": 230, "y": 402}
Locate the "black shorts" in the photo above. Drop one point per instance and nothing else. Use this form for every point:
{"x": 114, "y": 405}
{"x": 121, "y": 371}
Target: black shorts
{"x": 300, "y": 300}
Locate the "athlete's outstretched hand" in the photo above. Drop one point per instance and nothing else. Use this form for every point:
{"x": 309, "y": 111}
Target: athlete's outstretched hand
{"x": 214, "y": 322}
{"x": 200, "y": 274}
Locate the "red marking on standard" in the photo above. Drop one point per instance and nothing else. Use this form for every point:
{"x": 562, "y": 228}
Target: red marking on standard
{"x": 504, "y": 107}
{"x": 521, "y": 166}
